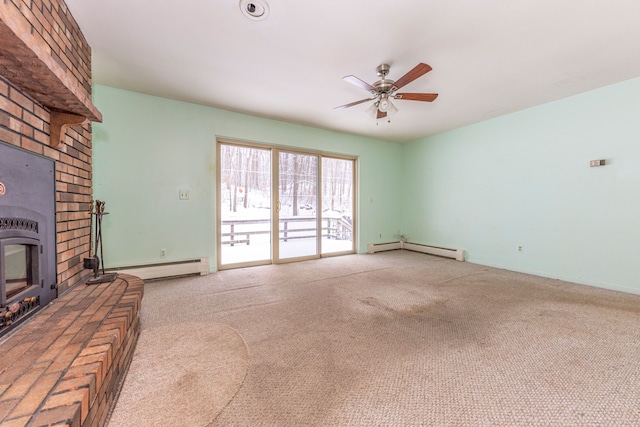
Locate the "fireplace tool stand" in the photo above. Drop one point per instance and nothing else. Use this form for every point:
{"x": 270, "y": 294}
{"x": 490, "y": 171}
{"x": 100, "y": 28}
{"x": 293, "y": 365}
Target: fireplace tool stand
{"x": 94, "y": 262}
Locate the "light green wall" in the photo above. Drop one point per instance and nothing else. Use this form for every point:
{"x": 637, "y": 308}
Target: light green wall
{"x": 524, "y": 179}
{"x": 148, "y": 148}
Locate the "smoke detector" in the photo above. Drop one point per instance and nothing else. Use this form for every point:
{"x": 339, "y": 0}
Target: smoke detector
{"x": 256, "y": 10}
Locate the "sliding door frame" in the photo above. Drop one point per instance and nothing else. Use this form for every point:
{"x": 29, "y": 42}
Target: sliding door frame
{"x": 354, "y": 201}
{"x": 275, "y": 151}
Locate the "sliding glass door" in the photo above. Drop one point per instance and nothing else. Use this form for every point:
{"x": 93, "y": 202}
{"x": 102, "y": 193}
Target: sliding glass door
{"x": 337, "y": 205}
{"x": 276, "y": 205}
{"x": 244, "y": 205}
{"x": 297, "y": 206}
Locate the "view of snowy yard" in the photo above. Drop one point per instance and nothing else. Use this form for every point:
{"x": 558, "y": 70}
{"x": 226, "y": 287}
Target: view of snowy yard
{"x": 246, "y": 223}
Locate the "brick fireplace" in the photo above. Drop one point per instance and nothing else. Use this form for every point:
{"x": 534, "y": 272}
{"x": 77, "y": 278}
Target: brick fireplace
{"x": 45, "y": 71}
{"x": 64, "y": 364}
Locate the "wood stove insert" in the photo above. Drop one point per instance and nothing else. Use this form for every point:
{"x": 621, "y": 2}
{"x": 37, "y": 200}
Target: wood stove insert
{"x": 27, "y": 235}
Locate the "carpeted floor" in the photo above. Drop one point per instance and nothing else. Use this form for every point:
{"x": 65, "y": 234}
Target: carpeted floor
{"x": 405, "y": 339}
{"x": 182, "y": 374}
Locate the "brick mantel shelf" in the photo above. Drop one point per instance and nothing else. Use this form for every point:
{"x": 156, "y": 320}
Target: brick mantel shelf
{"x": 28, "y": 63}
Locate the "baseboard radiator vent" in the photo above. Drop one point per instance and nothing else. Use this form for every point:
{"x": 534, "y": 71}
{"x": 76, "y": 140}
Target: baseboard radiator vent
{"x": 457, "y": 254}
{"x": 170, "y": 269}
{"x": 381, "y": 247}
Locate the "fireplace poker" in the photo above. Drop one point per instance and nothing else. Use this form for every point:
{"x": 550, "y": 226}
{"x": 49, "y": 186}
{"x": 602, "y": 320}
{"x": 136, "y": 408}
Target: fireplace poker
{"x": 90, "y": 226}
{"x": 99, "y": 217}
{"x": 98, "y": 214}
{"x": 96, "y": 267}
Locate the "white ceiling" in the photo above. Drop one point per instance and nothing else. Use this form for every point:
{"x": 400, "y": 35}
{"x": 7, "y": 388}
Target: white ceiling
{"x": 489, "y": 57}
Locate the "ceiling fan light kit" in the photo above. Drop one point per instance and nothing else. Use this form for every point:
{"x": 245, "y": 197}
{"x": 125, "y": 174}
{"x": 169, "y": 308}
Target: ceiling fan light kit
{"x": 384, "y": 89}
{"x": 384, "y": 103}
{"x": 372, "y": 110}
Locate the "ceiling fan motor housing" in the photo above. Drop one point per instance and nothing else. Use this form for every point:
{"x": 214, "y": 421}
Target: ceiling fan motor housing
{"x": 383, "y": 86}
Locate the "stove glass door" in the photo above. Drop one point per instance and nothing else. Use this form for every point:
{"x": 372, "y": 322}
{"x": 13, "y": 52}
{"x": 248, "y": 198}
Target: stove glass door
{"x": 17, "y": 261}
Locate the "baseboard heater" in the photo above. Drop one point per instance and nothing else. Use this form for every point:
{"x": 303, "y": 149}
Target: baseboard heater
{"x": 381, "y": 247}
{"x": 170, "y": 269}
{"x": 457, "y": 254}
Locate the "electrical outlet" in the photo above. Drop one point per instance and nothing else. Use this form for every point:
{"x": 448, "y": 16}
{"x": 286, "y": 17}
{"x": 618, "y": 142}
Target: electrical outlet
{"x": 380, "y": 235}
{"x": 520, "y": 248}
{"x": 163, "y": 252}
{"x": 183, "y": 194}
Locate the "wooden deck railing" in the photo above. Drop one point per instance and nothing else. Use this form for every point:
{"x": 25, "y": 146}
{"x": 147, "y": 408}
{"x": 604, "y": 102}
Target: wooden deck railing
{"x": 332, "y": 228}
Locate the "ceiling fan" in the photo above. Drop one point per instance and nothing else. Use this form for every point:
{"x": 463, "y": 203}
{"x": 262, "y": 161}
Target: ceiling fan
{"x": 385, "y": 89}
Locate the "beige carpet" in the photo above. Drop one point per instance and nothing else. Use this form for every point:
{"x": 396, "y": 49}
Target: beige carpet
{"x": 182, "y": 374}
{"x": 406, "y": 339}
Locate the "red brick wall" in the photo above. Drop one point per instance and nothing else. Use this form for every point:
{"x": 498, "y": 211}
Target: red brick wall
{"x": 24, "y": 123}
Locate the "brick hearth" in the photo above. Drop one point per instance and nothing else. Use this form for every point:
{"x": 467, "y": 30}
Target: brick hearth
{"x": 64, "y": 366}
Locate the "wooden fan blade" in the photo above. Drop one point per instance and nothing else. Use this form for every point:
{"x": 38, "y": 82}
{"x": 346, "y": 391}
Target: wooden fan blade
{"x": 426, "y": 97}
{"x": 417, "y": 71}
{"x": 357, "y": 82}
{"x": 381, "y": 114}
{"x": 352, "y": 104}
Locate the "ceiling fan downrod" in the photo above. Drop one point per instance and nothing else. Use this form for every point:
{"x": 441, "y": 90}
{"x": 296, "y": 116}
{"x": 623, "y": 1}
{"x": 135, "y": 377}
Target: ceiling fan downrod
{"x": 383, "y": 70}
